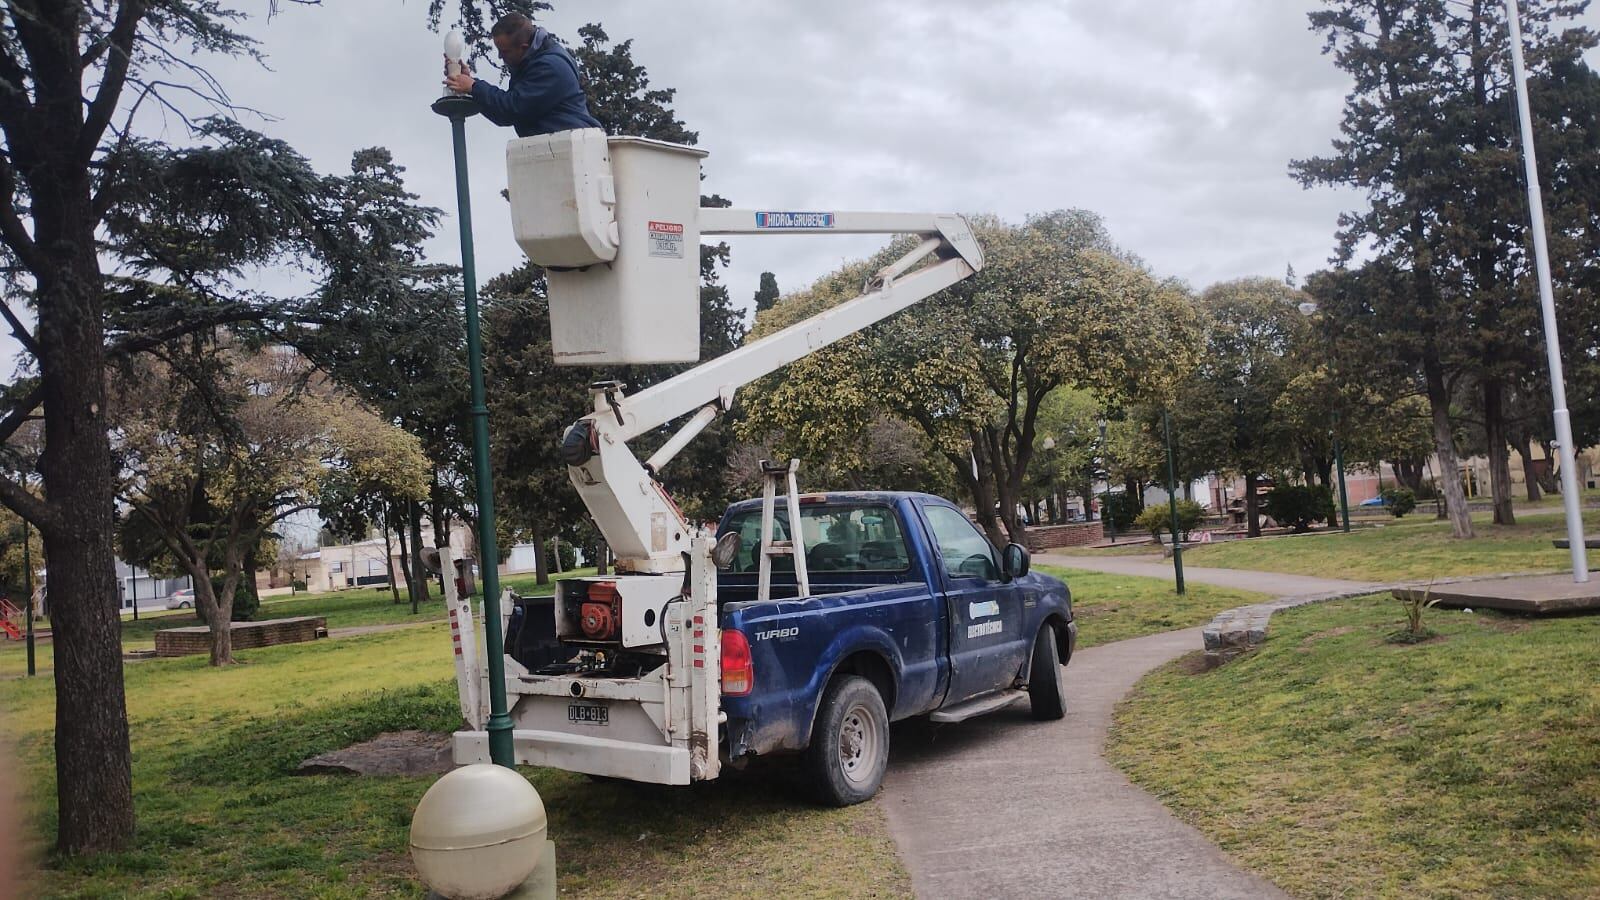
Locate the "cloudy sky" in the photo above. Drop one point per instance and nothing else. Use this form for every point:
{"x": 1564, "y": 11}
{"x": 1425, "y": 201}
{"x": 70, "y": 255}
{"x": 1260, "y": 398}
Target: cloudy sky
{"x": 1173, "y": 119}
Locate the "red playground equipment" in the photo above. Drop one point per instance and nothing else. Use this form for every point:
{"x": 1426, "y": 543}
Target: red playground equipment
{"x": 10, "y": 615}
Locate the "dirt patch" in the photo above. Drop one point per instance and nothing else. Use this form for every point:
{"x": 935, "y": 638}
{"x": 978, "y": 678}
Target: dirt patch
{"x": 1504, "y": 624}
{"x": 1308, "y": 640}
{"x": 394, "y": 753}
{"x": 1192, "y": 664}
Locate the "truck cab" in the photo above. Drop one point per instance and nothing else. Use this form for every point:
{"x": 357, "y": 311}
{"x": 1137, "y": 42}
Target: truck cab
{"x": 908, "y": 596}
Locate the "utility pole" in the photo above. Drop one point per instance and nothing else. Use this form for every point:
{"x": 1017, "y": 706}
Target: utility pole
{"x": 1172, "y": 500}
{"x": 1570, "y": 497}
{"x": 458, "y": 108}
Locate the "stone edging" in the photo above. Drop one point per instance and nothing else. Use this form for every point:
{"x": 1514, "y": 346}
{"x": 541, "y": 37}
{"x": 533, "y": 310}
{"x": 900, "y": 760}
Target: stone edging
{"x": 1244, "y": 628}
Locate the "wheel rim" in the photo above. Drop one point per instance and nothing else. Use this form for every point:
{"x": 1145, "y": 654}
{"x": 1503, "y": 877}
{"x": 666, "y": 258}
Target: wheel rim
{"x": 860, "y": 742}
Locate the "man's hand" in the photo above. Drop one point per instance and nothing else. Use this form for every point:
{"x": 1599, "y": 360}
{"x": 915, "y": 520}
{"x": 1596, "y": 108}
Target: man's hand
{"x": 462, "y": 82}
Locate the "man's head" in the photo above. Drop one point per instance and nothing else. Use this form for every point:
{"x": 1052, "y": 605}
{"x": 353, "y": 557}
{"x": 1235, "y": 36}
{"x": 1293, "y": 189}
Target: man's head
{"x": 512, "y": 36}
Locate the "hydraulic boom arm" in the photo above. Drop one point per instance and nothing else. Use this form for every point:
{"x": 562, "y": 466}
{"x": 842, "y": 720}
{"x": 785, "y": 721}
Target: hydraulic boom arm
{"x": 640, "y": 522}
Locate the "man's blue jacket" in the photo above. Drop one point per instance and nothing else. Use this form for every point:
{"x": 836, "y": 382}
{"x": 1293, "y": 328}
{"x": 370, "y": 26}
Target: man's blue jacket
{"x": 545, "y": 95}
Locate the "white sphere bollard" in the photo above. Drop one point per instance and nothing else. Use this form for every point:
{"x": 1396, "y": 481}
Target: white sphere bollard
{"x": 478, "y": 833}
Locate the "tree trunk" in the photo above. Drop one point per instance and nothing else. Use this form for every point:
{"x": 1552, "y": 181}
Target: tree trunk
{"x": 441, "y": 521}
{"x": 1547, "y": 476}
{"x": 541, "y": 566}
{"x": 602, "y": 557}
{"x": 1408, "y": 473}
{"x": 1530, "y": 474}
{"x": 1252, "y": 507}
{"x": 94, "y": 773}
{"x": 405, "y": 559}
{"x": 1455, "y": 499}
{"x": 1494, "y": 425}
{"x": 419, "y": 573}
{"x": 555, "y": 551}
{"x": 388, "y": 555}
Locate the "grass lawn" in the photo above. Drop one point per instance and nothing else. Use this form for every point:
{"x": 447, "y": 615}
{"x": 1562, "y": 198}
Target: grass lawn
{"x": 1338, "y": 764}
{"x": 1117, "y": 607}
{"x": 343, "y": 609}
{"x": 1413, "y": 548}
{"x": 220, "y": 815}
{"x": 1407, "y": 549}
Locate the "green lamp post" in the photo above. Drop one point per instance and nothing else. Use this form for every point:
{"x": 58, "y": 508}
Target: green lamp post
{"x": 1172, "y": 500}
{"x": 458, "y": 108}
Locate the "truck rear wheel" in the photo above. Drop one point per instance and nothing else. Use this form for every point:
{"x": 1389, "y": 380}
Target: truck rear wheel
{"x": 1044, "y": 678}
{"x": 849, "y": 750}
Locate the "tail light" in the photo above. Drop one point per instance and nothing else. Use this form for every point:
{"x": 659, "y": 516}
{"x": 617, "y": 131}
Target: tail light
{"x": 738, "y": 669}
{"x": 601, "y": 614}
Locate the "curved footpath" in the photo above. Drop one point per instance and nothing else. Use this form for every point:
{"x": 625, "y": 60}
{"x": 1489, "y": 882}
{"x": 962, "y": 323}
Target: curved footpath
{"x": 1003, "y": 806}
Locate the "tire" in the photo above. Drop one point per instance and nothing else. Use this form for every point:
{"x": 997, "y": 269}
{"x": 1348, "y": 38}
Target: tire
{"x": 849, "y": 751}
{"x": 1044, "y": 678}
{"x": 185, "y": 605}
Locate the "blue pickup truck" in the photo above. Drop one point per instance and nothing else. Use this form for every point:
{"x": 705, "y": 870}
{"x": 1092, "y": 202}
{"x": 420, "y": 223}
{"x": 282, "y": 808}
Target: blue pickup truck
{"x": 911, "y": 611}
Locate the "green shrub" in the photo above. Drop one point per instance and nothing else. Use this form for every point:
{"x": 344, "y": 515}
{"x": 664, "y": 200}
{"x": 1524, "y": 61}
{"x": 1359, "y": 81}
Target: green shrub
{"x": 1399, "y": 501}
{"x": 296, "y": 586}
{"x": 1299, "y": 505}
{"x": 1120, "y": 509}
{"x": 1157, "y": 517}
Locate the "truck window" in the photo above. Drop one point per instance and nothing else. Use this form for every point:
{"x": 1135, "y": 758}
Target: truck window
{"x": 838, "y": 538}
{"x": 967, "y": 553}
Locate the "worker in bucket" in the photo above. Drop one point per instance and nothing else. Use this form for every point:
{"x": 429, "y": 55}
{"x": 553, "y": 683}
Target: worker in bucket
{"x": 544, "y": 96}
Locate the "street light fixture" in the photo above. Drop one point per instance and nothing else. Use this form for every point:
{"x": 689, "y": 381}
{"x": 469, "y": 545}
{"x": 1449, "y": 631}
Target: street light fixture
{"x": 458, "y": 108}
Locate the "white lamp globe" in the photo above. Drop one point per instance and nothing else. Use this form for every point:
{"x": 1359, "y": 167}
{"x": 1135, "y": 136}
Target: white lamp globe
{"x": 478, "y": 833}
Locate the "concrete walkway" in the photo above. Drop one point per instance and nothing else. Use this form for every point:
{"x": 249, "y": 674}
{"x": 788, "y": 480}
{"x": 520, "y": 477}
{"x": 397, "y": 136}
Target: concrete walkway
{"x": 1274, "y": 584}
{"x": 1003, "y": 806}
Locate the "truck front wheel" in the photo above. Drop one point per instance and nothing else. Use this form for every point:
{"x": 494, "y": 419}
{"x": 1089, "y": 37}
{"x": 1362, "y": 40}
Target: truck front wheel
{"x": 849, "y": 750}
{"x": 1044, "y": 678}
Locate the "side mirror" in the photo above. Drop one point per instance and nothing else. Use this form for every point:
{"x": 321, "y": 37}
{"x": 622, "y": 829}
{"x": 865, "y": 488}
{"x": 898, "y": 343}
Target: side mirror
{"x": 726, "y": 550}
{"x": 1016, "y": 561}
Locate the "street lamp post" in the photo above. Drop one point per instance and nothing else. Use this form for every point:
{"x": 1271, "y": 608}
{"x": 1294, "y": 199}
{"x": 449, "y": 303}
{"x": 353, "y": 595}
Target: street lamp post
{"x": 27, "y": 586}
{"x": 1338, "y": 461}
{"x": 458, "y": 108}
{"x": 1106, "y": 521}
{"x": 1547, "y": 304}
{"x": 1172, "y": 500}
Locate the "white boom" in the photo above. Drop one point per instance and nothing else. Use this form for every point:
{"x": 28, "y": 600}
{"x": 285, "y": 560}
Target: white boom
{"x": 635, "y": 691}
{"x": 640, "y": 522}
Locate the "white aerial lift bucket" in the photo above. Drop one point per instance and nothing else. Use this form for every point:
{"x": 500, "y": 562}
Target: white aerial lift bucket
{"x": 615, "y": 223}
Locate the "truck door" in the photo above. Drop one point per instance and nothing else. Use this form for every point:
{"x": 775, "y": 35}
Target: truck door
{"x": 983, "y": 613}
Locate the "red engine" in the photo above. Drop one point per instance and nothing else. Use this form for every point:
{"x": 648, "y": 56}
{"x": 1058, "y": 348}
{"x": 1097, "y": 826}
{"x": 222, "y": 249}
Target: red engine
{"x": 600, "y": 616}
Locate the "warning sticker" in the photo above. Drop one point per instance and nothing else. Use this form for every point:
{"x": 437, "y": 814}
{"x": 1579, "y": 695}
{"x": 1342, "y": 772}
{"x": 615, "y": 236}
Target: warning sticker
{"x": 666, "y": 239}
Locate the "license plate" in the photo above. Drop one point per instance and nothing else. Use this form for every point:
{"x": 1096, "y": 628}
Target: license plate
{"x": 585, "y": 714}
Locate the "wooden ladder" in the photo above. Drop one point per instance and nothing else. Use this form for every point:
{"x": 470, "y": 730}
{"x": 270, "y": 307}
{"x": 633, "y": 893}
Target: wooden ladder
{"x": 775, "y": 477}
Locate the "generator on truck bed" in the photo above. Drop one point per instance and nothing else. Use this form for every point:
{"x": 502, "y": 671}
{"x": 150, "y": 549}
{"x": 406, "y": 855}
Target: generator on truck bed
{"x": 664, "y": 671}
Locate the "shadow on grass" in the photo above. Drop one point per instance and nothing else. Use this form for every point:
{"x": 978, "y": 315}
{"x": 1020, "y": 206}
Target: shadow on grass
{"x": 222, "y": 812}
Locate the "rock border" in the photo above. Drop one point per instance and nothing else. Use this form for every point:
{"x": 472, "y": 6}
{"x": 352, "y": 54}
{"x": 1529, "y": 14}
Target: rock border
{"x": 1234, "y": 632}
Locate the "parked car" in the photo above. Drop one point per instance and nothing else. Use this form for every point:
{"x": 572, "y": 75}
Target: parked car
{"x": 181, "y": 599}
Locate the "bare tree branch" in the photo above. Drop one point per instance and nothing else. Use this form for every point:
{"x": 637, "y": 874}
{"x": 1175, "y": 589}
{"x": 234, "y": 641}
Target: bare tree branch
{"x": 21, "y": 413}
{"x": 136, "y": 343}
{"x": 18, "y": 330}
{"x": 12, "y": 230}
{"x": 22, "y": 502}
{"x": 106, "y": 96}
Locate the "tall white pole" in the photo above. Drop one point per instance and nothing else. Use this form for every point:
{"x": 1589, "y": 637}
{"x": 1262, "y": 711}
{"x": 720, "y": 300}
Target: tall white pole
{"x": 1570, "y": 498}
